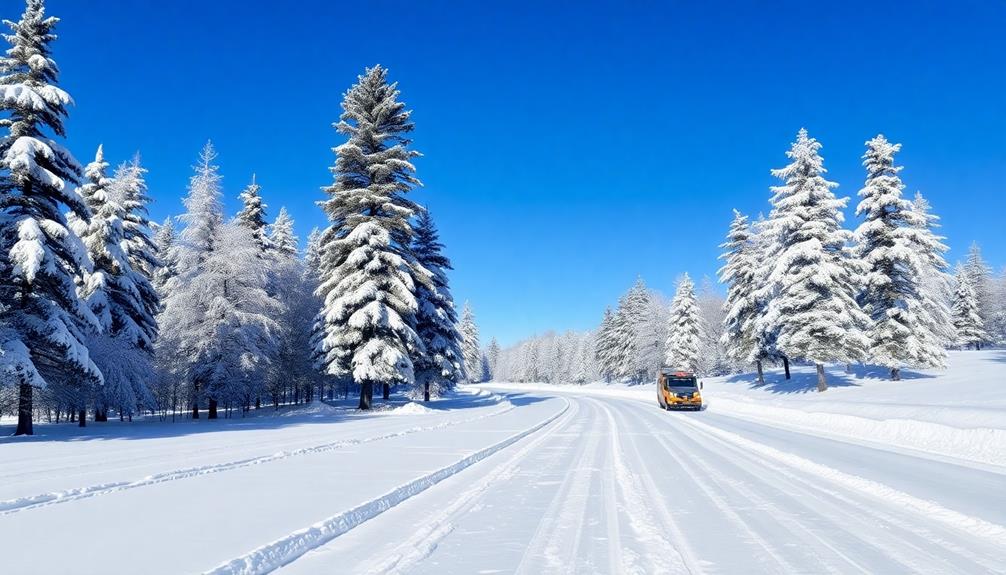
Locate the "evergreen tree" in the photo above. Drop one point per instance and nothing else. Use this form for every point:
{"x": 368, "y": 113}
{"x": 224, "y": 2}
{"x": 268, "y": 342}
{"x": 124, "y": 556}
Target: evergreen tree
{"x": 606, "y": 347}
{"x": 471, "y": 351}
{"x": 742, "y": 306}
{"x": 888, "y": 246}
{"x": 979, "y": 275}
{"x": 967, "y": 319}
{"x": 441, "y": 367}
{"x": 129, "y": 188}
{"x": 115, "y": 293}
{"x": 937, "y": 285}
{"x": 281, "y": 235}
{"x": 43, "y": 318}
{"x": 493, "y": 359}
{"x": 366, "y": 327}
{"x": 312, "y": 257}
{"x": 164, "y": 242}
{"x": 252, "y": 214}
{"x": 810, "y": 306}
{"x": 684, "y": 330}
{"x": 624, "y": 365}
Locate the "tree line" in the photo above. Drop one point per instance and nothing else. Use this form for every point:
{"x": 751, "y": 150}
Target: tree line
{"x": 800, "y": 287}
{"x": 102, "y": 310}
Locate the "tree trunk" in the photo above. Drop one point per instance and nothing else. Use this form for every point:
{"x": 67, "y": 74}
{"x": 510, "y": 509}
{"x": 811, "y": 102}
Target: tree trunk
{"x": 366, "y": 393}
{"x": 761, "y": 373}
{"x": 822, "y": 383}
{"x": 785, "y": 365}
{"x": 895, "y": 374}
{"x": 387, "y": 391}
{"x": 82, "y": 418}
{"x": 100, "y": 413}
{"x": 212, "y": 413}
{"x": 848, "y": 368}
{"x": 258, "y": 402}
{"x": 195, "y": 410}
{"x": 24, "y": 408}
{"x": 426, "y": 391}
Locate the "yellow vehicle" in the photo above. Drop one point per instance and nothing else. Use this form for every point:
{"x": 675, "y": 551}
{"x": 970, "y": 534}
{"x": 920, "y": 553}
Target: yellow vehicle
{"x": 678, "y": 390}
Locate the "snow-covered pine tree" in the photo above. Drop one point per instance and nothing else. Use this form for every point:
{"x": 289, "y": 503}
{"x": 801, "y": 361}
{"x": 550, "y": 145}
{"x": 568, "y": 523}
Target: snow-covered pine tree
{"x": 42, "y": 315}
{"x": 471, "y": 350}
{"x": 366, "y": 327}
{"x": 966, "y": 317}
{"x": 115, "y": 292}
{"x": 606, "y": 347}
{"x": 624, "y": 356}
{"x": 312, "y": 257}
{"x": 809, "y": 292}
{"x": 252, "y": 214}
{"x": 493, "y": 359}
{"x": 713, "y": 357}
{"x": 164, "y": 242}
{"x": 741, "y": 307}
{"x": 129, "y": 189}
{"x": 979, "y": 273}
{"x": 684, "y": 328}
{"x": 937, "y": 284}
{"x": 887, "y": 245}
{"x": 441, "y": 367}
{"x": 281, "y": 234}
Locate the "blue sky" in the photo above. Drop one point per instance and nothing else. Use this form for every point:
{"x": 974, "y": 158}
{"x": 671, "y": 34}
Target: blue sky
{"x": 568, "y": 146}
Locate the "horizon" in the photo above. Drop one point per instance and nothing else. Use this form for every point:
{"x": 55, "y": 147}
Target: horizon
{"x": 587, "y": 141}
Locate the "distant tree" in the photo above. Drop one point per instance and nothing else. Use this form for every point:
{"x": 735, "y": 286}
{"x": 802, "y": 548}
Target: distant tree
{"x": 252, "y": 215}
{"x": 684, "y": 330}
{"x": 967, "y": 319}
{"x": 165, "y": 243}
{"x": 493, "y": 359}
{"x": 281, "y": 236}
{"x": 742, "y": 307}
{"x": 937, "y": 285}
{"x": 606, "y": 347}
{"x": 43, "y": 320}
{"x": 470, "y": 347}
{"x": 809, "y": 291}
{"x": 979, "y": 275}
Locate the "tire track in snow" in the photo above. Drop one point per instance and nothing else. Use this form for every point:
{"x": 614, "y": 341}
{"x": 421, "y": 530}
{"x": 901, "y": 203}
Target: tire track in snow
{"x": 56, "y": 497}
{"x": 783, "y": 462}
{"x": 423, "y": 542}
{"x": 568, "y": 506}
{"x": 287, "y": 549}
{"x": 674, "y": 556}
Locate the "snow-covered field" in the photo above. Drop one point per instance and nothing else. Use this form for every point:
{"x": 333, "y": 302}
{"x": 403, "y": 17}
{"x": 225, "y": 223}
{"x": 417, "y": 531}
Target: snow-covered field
{"x": 871, "y": 476}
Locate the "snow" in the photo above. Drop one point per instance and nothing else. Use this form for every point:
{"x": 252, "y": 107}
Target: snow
{"x": 537, "y": 478}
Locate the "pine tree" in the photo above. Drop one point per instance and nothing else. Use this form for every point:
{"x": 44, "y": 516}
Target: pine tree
{"x": 979, "y": 275}
{"x": 967, "y": 319}
{"x": 470, "y": 349}
{"x": 888, "y": 243}
{"x": 366, "y": 327}
{"x": 281, "y": 235}
{"x": 606, "y": 347}
{"x": 441, "y": 367}
{"x": 624, "y": 364}
{"x": 638, "y": 352}
{"x": 252, "y": 214}
{"x": 684, "y": 329}
{"x": 742, "y": 307}
{"x": 493, "y": 359}
{"x": 312, "y": 256}
{"x": 809, "y": 289}
{"x": 164, "y": 242}
{"x": 43, "y": 317}
{"x": 129, "y": 188}
{"x": 937, "y": 285}
{"x": 115, "y": 293}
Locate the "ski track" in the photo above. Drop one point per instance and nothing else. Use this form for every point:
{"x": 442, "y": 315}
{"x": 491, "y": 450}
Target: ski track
{"x": 287, "y": 549}
{"x": 33, "y": 501}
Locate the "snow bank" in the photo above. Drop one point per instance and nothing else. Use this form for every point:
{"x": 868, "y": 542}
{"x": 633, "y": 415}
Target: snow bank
{"x": 411, "y": 408}
{"x": 278, "y": 553}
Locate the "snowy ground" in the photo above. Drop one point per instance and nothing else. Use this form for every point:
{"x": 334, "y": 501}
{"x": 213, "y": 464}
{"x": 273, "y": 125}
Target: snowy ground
{"x": 535, "y": 479}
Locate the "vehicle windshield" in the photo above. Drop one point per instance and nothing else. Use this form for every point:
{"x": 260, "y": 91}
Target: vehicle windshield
{"x": 680, "y": 383}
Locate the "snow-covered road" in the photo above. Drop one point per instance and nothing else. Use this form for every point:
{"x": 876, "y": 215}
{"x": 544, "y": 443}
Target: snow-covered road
{"x": 542, "y": 482}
